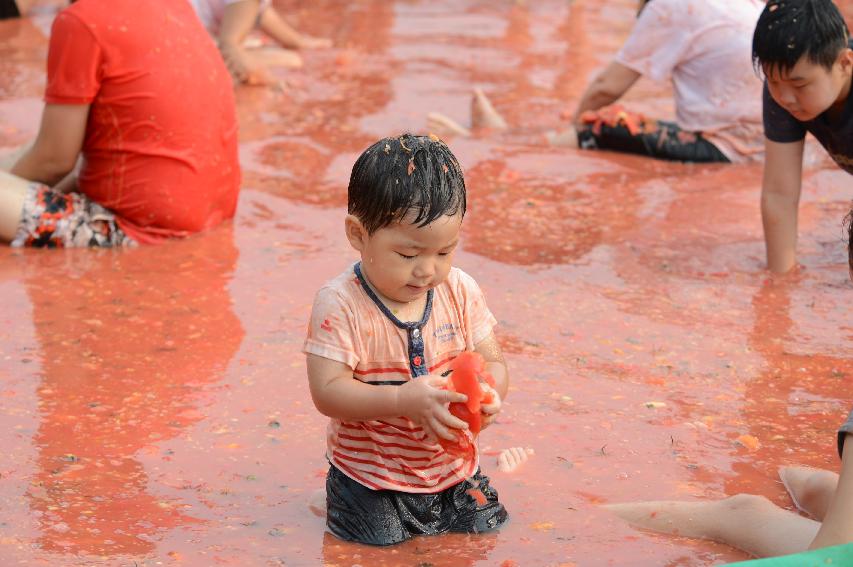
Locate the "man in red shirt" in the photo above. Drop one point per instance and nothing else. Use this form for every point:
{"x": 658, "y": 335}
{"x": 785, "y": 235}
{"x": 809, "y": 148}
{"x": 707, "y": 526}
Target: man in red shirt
{"x": 138, "y": 90}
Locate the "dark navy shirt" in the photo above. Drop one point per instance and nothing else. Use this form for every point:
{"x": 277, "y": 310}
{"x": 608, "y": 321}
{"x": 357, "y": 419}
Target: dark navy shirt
{"x": 836, "y": 136}
{"x": 842, "y": 433}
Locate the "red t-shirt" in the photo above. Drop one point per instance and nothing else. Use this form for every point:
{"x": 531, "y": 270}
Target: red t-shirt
{"x": 161, "y": 143}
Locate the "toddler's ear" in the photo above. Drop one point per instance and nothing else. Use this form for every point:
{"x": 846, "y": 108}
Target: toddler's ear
{"x": 356, "y": 233}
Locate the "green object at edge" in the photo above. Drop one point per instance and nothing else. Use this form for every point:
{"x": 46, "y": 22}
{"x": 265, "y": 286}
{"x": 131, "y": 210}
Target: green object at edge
{"x": 838, "y": 556}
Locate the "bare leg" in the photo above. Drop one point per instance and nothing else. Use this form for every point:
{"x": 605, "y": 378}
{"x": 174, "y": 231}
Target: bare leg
{"x": 751, "y": 523}
{"x": 283, "y": 33}
{"x": 510, "y": 459}
{"x": 7, "y": 160}
{"x": 445, "y": 126}
{"x": 13, "y": 189}
{"x": 237, "y": 21}
{"x": 567, "y": 138}
{"x": 483, "y": 117}
{"x": 810, "y": 489}
{"x": 274, "y": 57}
{"x": 483, "y": 114}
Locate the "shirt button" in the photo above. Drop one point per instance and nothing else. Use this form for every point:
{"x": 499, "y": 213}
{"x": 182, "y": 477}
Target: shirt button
{"x": 416, "y": 333}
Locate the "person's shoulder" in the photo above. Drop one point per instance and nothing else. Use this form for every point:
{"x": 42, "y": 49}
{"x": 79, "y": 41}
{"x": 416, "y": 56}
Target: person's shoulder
{"x": 461, "y": 282}
{"x": 340, "y": 289}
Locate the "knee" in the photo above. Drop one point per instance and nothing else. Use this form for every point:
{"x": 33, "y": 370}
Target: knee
{"x": 745, "y": 503}
{"x": 817, "y": 489}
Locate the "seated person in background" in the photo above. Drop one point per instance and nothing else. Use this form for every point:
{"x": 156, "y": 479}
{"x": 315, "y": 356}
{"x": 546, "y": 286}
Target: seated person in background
{"x": 753, "y": 523}
{"x": 704, "y": 46}
{"x": 157, "y": 138}
{"x": 230, "y": 21}
{"x": 803, "y": 47}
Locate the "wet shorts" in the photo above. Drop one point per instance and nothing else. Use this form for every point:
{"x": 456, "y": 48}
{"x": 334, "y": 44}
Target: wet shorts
{"x": 385, "y": 517}
{"x": 9, "y": 9}
{"x": 620, "y": 131}
{"x": 55, "y": 220}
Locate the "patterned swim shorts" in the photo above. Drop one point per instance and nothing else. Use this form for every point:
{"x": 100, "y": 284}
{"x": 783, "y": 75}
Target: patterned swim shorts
{"x": 62, "y": 220}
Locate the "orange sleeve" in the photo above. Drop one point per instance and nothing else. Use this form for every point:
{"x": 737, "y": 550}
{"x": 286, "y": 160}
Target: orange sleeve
{"x": 332, "y": 331}
{"x": 74, "y": 62}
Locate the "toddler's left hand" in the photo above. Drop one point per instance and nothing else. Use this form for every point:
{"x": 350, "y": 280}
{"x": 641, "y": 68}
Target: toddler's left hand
{"x": 490, "y": 411}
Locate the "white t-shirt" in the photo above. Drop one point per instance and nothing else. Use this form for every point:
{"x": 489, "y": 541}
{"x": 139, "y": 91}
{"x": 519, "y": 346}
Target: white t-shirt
{"x": 210, "y": 12}
{"x": 705, "y": 47}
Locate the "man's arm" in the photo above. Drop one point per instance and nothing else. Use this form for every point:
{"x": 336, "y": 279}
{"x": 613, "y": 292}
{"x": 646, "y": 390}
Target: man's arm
{"x": 780, "y": 199}
{"x": 606, "y": 88}
{"x": 57, "y": 146}
{"x": 837, "y": 526}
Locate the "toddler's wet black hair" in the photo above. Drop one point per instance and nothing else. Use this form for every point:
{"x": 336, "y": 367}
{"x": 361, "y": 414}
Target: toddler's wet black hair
{"x": 407, "y": 174}
{"x": 789, "y": 29}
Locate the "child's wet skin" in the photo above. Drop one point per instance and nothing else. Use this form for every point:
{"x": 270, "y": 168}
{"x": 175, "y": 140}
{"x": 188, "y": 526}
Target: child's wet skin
{"x": 154, "y": 404}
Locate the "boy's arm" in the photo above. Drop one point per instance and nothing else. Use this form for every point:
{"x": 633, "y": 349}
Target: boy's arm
{"x": 606, "y": 88}
{"x": 837, "y": 526}
{"x": 337, "y": 394}
{"x": 57, "y": 146}
{"x": 780, "y": 199}
{"x": 490, "y": 350}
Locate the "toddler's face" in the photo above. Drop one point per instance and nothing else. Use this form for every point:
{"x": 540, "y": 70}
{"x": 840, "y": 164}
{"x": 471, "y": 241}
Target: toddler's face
{"x": 809, "y": 89}
{"x": 404, "y": 261}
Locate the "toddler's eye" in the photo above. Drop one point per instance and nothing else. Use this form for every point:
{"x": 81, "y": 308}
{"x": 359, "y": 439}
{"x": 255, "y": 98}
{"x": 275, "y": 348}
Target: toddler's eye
{"x": 404, "y": 256}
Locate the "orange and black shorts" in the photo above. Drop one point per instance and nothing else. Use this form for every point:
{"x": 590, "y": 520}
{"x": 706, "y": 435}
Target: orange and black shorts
{"x": 50, "y": 219}
{"x": 618, "y": 130}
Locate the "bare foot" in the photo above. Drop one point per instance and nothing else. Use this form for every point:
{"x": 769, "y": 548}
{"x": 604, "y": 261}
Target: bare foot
{"x": 483, "y": 114}
{"x": 566, "y": 139}
{"x": 442, "y": 125}
{"x": 317, "y": 503}
{"x": 811, "y": 489}
{"x": 510, "y": 459}
{"x": 310, "y": 42}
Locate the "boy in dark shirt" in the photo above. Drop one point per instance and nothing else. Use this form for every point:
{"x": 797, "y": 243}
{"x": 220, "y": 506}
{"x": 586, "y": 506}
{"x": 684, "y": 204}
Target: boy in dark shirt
{"x": 803, "y": 47}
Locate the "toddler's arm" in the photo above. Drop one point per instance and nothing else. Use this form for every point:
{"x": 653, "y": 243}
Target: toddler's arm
{"x": 338, "y": 395}
{"x": 495, "y": 365}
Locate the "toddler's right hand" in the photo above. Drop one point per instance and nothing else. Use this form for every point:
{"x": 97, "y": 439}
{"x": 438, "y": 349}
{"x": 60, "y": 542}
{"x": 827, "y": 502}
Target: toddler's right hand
{"x": 425, "y": 402}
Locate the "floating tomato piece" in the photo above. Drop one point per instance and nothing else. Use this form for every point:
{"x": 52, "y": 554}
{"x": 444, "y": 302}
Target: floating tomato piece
{"x": 469, "y": 368}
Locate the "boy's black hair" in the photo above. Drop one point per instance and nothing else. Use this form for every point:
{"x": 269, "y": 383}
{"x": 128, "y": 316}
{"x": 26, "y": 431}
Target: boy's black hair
{"x": 409, "y": 173}
{"x": 790, "y": 29}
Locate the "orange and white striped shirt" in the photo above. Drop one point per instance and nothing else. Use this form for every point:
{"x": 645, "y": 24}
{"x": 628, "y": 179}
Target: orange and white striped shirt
{"x": 347, "y": 326}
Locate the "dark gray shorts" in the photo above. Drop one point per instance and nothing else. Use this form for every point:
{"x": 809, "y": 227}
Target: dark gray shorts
{"x": 623, "y": 131}
{"x": 385, "y": 517}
